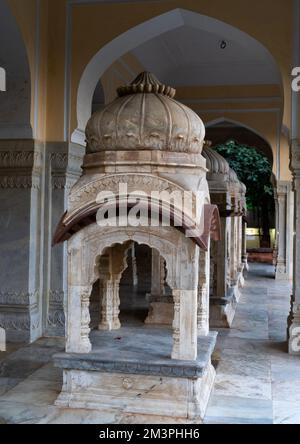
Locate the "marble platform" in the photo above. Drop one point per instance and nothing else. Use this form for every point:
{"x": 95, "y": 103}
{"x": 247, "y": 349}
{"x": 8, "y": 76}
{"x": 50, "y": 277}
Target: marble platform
{"x": 131, "y": 369}
{"x": 257, "y": 382}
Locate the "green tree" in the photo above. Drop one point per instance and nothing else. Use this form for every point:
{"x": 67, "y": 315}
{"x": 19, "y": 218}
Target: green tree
{"x": 254, "y": 170}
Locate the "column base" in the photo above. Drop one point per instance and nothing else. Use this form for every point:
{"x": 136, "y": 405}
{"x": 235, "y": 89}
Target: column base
{"x": 109, "y": 326}
{"x": 294, "y": 339}
{"x": 294, "y": 329}
{"x": 245, "y": 263}
{"x": 241, "y": 279}
{"x": 222, "y": 310}
{"x": 281, "y": 273}
{"x": 282, "y": 276}
{"x": 132, "y": 394}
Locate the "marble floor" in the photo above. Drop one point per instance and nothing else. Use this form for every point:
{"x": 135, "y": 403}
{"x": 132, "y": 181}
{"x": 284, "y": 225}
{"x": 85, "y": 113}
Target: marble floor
{"x": 257, "y": 381}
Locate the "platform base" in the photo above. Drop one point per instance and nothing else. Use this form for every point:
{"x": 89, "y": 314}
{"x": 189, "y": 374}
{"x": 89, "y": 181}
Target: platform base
{"x": 138, "y": 394}
{"x": 161, "y": 387}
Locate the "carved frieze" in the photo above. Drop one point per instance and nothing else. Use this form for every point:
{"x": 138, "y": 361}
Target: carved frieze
{"x": 65, "y": 170}
{"x": 20, "y": 169}
{"x": 20, "y": 321}
{"x": 19, "y": 299}
{"x": 56, "y": 313}
{"x": 141, "y": 182}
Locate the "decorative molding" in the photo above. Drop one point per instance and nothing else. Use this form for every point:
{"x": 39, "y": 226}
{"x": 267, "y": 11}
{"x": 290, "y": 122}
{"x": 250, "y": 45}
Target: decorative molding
{"x": 63, "y": 182}
{"x": 65, "y": 169}
{"x": 283, "y": 188}
{"x": 133, "y": 181}
{"x": 19, "y": 311}
{"x": 233, "y": 100}
{"x": 295, "y": 158}
{"x": 85, "y": 320}
{"x": 56, "y": 311}
{"x": 20, "y": 169}
{"x": 59, "y": 161}
{"x": 19, "y": 182}
{"x": 19, "y": 321}
{"x": 18, "y": 159}
{"x": 19, "y": 299}
{"x": 56, "y": 319}
{"x": 56, "y": 296}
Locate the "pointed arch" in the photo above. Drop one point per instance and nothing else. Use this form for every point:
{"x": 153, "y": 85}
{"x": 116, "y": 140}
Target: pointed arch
{"x": 265, "y": 144}
{"x": 140, "y": 34}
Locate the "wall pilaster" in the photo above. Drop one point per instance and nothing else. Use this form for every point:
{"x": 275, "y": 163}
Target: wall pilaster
{"x": 284, "y": 239}
{"x": 294, "y": 317}
{"x": 63, "y": 169}
{"x": 21, "y": 184}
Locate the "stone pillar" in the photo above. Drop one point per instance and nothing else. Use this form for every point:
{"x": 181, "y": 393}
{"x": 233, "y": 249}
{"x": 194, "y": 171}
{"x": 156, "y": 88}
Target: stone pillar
{"x": 233, "y": 246}
{"x": 78, "y": 319}
{"x": 157, "y": 274}
{"x": 85, "y": 343}
{"x": 161, "y": 310}
{"x": 185, "y": 325}
{"x": 186, "y": 277}
{"x": 284, "y": 253}
{"x": 21, "y": 239}
{"x": 294, "y": 317}
{"x": 112, "y": 265}
{"x": 35, "y": 180}
{"x": 290, "y": 232}
{"x": 2, "y": 340}
{"x": 275, "y": 246}
{"x": 135, "y": 279}
{"x": 110, "y": 304}
{"x": 240, "y": 264}
{"x": 203, "y": 294}
{"x": 63, "y": 168}
{"x": 244, "y": 245}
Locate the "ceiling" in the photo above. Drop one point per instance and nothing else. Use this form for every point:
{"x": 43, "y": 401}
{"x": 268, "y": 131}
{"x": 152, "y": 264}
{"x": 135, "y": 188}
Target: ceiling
{"x": 187, "y": 56}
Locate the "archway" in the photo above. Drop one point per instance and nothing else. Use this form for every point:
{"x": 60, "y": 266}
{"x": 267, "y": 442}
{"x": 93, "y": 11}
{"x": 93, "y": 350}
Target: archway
{"x": 120, "y": 302}
{"x": 228, "y": 137}
{"x": 98, "y": 98}
{"x": 222, "y": 129}
{"x": 147, "y": 31}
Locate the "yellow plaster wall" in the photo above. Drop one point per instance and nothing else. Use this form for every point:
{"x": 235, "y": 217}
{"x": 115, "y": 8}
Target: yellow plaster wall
{"x": 56, "y": 70}
{"x": 121, "y": 72}
{"x": 25, "y": 14}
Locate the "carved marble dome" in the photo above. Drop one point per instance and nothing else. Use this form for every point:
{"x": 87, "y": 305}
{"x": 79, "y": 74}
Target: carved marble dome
{"x": 145, "y": 117}
{"x": 233, "y": 176}
{"x": 215, "y": 163}
{"x": 218, "y": 165}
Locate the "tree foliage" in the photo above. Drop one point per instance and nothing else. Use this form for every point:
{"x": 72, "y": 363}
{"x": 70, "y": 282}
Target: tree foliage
{"x": 252, "y": 168}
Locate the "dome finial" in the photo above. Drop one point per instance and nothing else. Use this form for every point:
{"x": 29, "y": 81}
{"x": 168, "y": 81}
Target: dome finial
{"x": 146, "y": 83}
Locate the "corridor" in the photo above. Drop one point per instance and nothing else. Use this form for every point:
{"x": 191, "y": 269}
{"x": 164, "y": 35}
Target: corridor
{"x": 257, "y": 381}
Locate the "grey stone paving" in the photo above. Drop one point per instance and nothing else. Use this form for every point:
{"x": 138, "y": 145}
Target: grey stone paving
{"x": 257, "y": 381}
